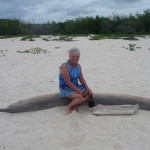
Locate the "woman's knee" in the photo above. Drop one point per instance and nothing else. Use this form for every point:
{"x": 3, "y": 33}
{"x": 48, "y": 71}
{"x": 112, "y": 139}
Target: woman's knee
{"x": 74, "y": 96}
{"x": 83, "y": 99}
{"x": 78, "y": 96}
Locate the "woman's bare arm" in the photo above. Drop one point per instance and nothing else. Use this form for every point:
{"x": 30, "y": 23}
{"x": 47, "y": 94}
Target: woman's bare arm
{"x": 83, "y": 82}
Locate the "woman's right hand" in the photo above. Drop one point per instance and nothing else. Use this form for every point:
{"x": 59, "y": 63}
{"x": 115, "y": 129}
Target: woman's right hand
{"x": 84, "y": 94}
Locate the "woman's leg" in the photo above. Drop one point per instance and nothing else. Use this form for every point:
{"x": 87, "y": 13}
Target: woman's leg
{"x": 76, "y": 100}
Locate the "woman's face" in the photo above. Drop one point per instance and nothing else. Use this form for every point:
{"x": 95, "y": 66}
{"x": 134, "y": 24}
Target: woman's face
{"x": 74, "y": 58}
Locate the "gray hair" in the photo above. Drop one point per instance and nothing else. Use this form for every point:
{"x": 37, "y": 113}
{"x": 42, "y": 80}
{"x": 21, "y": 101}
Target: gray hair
{"x": 74, "y": 50}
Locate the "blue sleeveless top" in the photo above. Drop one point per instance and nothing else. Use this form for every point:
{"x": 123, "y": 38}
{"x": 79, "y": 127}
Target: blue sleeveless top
{"x": 74, "y": 73}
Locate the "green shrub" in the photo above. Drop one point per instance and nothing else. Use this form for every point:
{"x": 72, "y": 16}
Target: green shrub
{"x": 65, "y": 38}
{"x": 45, "y": 39}
{"x": 36, "y": 50}
{"x": 132, "y": 47}
{"x": 30, "y": 37}
{"x": 3, "y": 52}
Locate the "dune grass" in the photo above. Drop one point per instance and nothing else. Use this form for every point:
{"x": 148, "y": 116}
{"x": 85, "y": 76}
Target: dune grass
{"x": 74, "y": 35}
{"x": 36, "y": 50}
{"x": 113, "y": 36}
{"x": 3, "y": 52}
{"x": 139, "y": 47}
{"x": 9, "y": 36}
{"x": 45, "y": 39}
{"x": 69, "y": 37}
{"x": 132, "y": 47}
{"x": 64, "y": 38}
{"x": 17, "y": 36}
{"x": 29, "y": 37}
{"x": 57, "y": 47}
{"x": 123, "y": 36}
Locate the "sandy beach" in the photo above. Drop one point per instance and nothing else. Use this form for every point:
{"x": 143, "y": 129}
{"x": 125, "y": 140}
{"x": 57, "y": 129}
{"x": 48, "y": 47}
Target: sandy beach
{"x": 108, "y": 67}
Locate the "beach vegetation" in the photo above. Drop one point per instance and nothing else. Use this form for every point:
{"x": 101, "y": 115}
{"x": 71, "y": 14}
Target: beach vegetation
{"x": 29, "y": 37}
{"x": 74, "y": 35}
{"x": 36, "y": 50}
{"x": 23, "y": 39}
{"x": 139, "y": 47}
{"x": 131, "y": 38}
{"x": 132, "y": 47}
{"x": 45, "y": 39}
{"x": 9, "y": 36}
{"x": 113, "y": 36}
{"x": 3, "y": 52}
{"x": 12, "y": 27}
{"x": 137, "y": 24}
{"x": 64, "y": 38}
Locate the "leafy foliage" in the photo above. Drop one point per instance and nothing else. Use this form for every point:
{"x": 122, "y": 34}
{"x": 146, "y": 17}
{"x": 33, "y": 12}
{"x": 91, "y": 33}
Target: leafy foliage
{"x": 139, "y": 23}
{"x": 3, "y": 52}
{"x": 132, "y": 47}
{"x": 36, "y": 50}
{"x": 11, "y": 27}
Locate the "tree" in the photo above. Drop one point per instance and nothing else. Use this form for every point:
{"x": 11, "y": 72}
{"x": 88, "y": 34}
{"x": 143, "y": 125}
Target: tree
{"x": 11, "y": 27}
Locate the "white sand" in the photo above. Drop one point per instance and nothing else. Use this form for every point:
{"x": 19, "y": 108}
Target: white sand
{"x": 107, "y": 67}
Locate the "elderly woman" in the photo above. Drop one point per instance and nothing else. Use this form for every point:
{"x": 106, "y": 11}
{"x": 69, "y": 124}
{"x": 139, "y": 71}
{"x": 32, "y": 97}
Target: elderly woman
{"x": 70, "y": 73}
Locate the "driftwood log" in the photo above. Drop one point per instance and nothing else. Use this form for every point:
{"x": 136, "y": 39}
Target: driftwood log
{"x": 114, "y": 109}
{"x": 53, "y": 100}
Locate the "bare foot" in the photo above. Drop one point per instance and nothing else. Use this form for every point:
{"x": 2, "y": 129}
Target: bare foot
{"x": 67, "y": 110}
{"x": 76, "y": 108}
